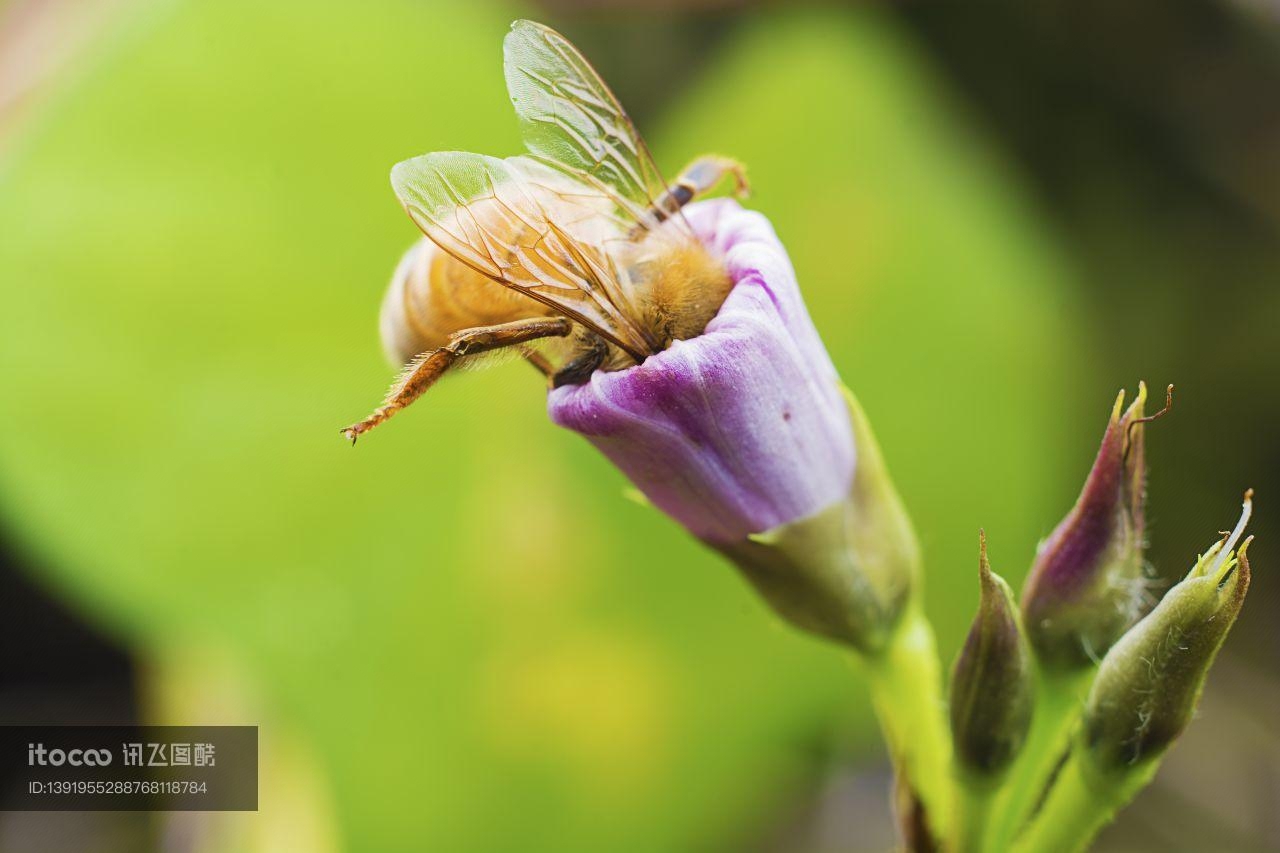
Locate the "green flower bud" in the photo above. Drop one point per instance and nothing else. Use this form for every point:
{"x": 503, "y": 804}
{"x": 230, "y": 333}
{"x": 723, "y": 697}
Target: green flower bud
{"x": 1088, "y": 584}
{"x": 991, "y": 683}
{"x": 848, "y": 571}
{"x": 1149, "y": 683}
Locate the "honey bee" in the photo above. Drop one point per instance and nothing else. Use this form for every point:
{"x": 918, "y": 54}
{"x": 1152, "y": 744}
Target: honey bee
{"x": 575, "y": 255}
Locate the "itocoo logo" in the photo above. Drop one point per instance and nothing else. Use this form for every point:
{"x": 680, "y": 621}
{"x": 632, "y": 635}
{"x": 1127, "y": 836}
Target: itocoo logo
{"x": 37, "y": 754}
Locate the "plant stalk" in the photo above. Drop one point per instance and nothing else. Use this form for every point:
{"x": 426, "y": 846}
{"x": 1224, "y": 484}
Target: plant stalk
{"x": 1058, "y": 705}
{"x": 971, "y": 818}
{"x": 1078, "y": 807}
{"x": 905, "y": 679}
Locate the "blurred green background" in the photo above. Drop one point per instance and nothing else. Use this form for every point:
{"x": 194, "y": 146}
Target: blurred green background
{"x": 1000, "y": 215}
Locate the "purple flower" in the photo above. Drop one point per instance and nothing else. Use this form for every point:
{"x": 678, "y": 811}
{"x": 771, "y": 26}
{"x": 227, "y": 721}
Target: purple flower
{"x": 743, "y": 428}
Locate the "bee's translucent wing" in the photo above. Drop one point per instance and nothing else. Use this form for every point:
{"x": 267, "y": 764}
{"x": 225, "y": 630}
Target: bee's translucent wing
{"x": 531, "y": 228}
{"x": 570, "y": 118}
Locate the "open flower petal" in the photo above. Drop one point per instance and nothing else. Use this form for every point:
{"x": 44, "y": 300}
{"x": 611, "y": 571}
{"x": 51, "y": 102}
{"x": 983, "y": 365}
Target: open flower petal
{"x": 743, "y": 428}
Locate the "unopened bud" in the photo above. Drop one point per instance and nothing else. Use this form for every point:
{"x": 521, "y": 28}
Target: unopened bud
{"x": 991, "y": 684}
{"x": 1088, "y": 584}
{"x": 1149, "y": 683}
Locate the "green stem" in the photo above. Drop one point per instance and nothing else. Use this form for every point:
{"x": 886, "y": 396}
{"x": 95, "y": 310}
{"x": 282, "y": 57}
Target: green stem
{"x": 1077, "y": 808}
{"x": 1058, "y": 703}
{"x": 972, "y": 817}
{"x": 906, "y": 690}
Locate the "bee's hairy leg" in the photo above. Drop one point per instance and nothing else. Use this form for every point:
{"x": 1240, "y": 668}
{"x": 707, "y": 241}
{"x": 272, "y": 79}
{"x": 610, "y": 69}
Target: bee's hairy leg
{"x": 579, "y": 369}
{"x": 704, "y": 173}
{"x": 699, "y": 177}
{"x": 421, "y": 373}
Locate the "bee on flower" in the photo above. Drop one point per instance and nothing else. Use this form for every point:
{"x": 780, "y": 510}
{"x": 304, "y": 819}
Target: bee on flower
{"x": 672, "y": 334}
{"x": 576, "y": 255}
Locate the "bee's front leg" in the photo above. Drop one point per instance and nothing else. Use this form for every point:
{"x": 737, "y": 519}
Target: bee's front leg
{"x": 579, "y": 369}
{"x": 699, "y": 177}
{"x": 703, "y": 174}
{"x": 540, "y": 362}
{"x": 423, "y": 372}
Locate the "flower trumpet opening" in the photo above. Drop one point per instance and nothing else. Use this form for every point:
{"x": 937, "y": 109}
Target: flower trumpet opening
{"x": 737, "y": 430}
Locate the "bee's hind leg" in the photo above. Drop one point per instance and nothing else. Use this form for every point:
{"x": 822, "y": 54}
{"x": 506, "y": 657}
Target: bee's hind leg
{"x": 421, "y": 373}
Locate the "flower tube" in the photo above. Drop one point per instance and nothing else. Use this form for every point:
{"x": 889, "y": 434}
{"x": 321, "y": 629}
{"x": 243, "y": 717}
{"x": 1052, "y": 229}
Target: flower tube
{"x": 745, "y": 436}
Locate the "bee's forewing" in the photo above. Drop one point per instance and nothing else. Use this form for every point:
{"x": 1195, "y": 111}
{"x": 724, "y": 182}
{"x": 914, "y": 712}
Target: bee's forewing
{"x": 569, "y": 117}
{"x": 531, "y": 228}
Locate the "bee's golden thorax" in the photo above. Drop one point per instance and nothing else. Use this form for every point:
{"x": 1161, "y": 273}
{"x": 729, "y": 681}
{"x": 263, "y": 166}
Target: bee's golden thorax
{"x": 685, "y": 287}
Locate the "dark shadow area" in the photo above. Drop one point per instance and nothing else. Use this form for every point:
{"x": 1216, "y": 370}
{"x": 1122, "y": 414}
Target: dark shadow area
{"x": 57, "y": 669}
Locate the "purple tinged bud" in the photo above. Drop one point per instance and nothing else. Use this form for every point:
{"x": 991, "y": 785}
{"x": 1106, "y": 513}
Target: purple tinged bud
{"x": 992, "y": 689}
{"x": 1089, "y": 582}
{"x": 742, "y": 428}
{"x": 1148, "y": 685}
{"x": 746, "y": 437}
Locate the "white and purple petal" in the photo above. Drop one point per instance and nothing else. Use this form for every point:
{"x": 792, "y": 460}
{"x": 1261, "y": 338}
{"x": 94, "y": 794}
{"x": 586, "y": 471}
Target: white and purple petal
{"x": 743, "y": 428}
